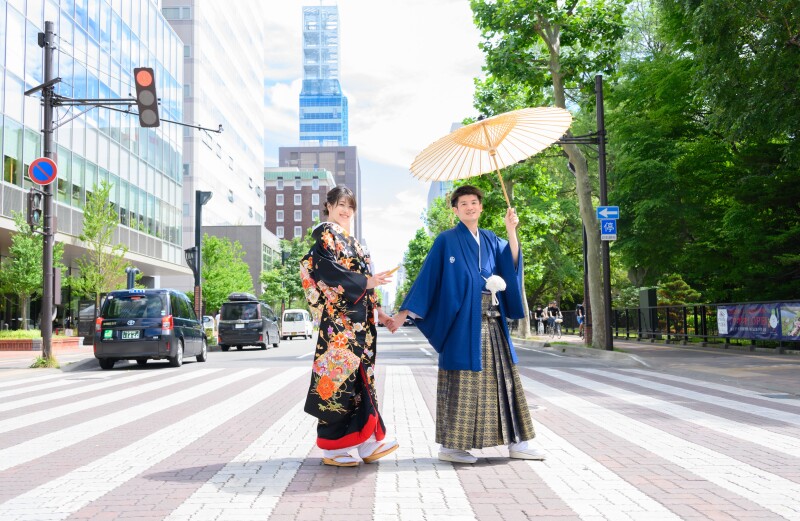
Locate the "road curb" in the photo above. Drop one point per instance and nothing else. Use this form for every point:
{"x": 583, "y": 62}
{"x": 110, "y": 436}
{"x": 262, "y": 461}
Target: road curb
{"x": 86, "y": 363}
{"x": 581, "y": 352}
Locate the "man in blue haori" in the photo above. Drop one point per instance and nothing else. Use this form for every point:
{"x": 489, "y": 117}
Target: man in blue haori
{"x": 470, "y": 282}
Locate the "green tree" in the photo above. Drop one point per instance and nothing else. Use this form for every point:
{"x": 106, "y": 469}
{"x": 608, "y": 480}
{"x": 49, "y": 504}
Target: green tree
{"x": 282, "y": 281}
{"x": 674, "y": 291}
{"x": 102, "y": 267}
{"x": 413, "y": 259}
{"x": 22, "y": 273}
{"x": 555, "y": 48}
{"x": 224, "y": 270}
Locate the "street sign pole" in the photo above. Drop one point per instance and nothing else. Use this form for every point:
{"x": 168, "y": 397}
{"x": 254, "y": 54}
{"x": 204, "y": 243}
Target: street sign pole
{"x": 601, "y": 152}
{"x": 46, "y": 41}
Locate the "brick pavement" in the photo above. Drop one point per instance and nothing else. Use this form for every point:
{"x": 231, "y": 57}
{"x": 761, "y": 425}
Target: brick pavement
{"x": 195, "y": 444}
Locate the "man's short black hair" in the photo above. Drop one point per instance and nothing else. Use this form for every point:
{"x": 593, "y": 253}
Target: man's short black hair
{"x": 465, "y": 190}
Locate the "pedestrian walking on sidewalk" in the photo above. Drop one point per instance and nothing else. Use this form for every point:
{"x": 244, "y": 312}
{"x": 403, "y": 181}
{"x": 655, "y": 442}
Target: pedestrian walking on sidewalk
{"x": 339, "y": 286}
{"x": 470, "y": 282}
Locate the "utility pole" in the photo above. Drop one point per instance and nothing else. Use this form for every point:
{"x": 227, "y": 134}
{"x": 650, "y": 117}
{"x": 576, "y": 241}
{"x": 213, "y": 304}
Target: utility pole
{"x": 46, "y": 42}
{"x": 601, "y": 157}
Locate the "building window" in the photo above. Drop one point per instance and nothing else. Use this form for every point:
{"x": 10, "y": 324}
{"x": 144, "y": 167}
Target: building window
{"x": 280, "y": 183}
{"x": 298, "y": 215}
{"x": 177, "y": 13}
{"x": 298, "y": 199}
{"x": 279, "y": 232}
{"x": 250, "y": 212}
{"x": 315, "y": 183}
{"x": 187, "y": 90}
{"x": 279, "y": 216}
{"x": 278, "y": 199}
{"x": 230, "y": 195}
{"x": 298, "y": 231}
{"x": 315, "y": 199}
{"x": 250, "y": 182}
{"x": 298, "y": 183}
{"x": 186, "y": 209}
{"x": 187, "y": 51}
{"x": 315, "y": 215}
{"x": 186, "y": 170}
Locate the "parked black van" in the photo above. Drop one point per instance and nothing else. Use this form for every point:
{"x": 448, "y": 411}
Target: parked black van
{"x": 140, "y": 324}
{"x": 245, "y": 321}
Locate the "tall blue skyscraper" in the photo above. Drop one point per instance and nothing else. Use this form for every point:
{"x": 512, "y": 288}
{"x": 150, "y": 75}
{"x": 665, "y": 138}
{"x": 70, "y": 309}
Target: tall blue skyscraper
{"x": 323, "y": 108}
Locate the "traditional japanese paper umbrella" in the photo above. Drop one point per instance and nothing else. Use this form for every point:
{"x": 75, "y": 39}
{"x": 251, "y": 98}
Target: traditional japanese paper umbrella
{"x": 491, "y": 144}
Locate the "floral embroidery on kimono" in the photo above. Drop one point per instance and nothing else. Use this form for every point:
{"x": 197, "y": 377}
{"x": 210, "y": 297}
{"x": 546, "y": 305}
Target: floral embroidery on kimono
{"x": 342, "y": 391}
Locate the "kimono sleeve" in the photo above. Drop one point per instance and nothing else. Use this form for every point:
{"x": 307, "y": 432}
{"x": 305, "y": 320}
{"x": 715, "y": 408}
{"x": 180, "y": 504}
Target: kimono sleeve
{"x": 512, "y": 295}
{"x": 332, "y": 278}
{"x": 434, "y": 297}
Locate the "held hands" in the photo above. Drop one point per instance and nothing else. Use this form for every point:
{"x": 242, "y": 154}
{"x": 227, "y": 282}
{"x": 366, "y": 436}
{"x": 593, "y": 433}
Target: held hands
{"x": 379, "y": 279}
{"x": 392, "y": 323}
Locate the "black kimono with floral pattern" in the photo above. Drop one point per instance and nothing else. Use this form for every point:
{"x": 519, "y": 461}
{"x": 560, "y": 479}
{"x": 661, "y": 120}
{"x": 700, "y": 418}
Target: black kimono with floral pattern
{"x": 342, "y": 391}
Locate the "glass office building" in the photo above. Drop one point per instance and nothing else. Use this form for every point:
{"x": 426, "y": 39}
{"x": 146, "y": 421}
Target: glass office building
{"x": 98, "y": 43}
{"x": 323, "y": 108}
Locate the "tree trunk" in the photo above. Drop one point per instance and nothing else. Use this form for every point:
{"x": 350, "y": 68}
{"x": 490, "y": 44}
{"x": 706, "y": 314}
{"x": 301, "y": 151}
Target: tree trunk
{"x": 584, "y": 190}
{"x": 24, "y": 309}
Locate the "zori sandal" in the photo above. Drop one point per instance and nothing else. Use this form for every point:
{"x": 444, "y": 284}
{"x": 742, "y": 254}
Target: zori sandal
{"x": 341, "y": 460}
{"x": 374, "y": 450}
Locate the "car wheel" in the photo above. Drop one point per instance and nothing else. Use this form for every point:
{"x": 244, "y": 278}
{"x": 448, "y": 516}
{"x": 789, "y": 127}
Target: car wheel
{"x": 106, "y": 363}
{"x": 239, "y": 347}
{"x": 277, "y": 342}
{"x": 224, "y": 348}
{"x": 203, "y": 356}
{"x": 141, "y": 361}
{"x": 177, "y": 360}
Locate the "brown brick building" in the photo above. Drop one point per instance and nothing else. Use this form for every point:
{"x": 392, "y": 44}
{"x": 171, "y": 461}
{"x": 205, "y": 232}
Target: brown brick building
{"x": 294, "y": 199}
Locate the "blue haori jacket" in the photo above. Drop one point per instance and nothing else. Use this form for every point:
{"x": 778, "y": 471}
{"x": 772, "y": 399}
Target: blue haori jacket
{"x": 447, "y": 294}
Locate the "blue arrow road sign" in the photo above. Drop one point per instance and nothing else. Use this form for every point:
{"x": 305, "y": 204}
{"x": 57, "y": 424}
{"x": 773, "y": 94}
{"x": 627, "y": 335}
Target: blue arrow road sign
{"x": 608, "y": 212}
{"x": 608, "y": 229}
{"x": 42, "y": 171}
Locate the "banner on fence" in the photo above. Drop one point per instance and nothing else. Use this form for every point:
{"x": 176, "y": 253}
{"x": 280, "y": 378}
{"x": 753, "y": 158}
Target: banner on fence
{"x": 790, "y": 321}
{"x": 760, "y": 321}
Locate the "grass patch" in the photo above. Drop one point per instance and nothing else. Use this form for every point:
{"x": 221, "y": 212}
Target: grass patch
{"x": 20, "y": 334}
{"x": 42, "y": 362}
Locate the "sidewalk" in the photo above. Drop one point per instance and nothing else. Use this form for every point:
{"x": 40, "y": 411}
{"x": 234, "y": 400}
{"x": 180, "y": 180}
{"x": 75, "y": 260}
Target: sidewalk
{"x": 761, "y": 369}
{"x": 64, "y": 355}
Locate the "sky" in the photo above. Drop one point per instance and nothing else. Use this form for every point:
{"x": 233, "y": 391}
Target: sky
{"x": 407, "y": 69}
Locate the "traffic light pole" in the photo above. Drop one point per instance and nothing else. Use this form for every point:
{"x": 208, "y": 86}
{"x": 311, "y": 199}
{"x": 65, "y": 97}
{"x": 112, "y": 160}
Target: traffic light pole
{"x": 46, "y": 324}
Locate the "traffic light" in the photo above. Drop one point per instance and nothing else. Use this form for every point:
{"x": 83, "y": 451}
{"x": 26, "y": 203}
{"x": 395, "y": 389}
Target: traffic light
{"x": 146, "y": 98}
{"x": 35, "y": 200}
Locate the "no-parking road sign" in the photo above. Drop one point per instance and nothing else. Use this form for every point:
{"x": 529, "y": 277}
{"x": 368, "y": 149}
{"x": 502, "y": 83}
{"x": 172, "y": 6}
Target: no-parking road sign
{"x": 43, "y": 171}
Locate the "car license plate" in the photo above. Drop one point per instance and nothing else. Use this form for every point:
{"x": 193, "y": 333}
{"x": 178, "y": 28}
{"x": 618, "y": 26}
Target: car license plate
{"x": 239, "y": 326}
{"x": 130, "y": 335}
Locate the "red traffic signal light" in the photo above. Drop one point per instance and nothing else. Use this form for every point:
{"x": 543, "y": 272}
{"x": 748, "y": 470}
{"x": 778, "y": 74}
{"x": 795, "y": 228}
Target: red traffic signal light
{"x": 146, "y": 98}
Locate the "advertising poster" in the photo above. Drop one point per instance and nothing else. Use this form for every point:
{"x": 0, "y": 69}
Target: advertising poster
{"x": 758, "y": 321}
{"x": 790, "y": 321}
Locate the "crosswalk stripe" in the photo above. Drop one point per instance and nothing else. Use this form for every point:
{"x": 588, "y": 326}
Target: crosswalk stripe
{"x": 31, "y": 380}
{"x": 573, "y": 475}
{"x": 59, "y": 498}
{"x": 53, "y": 441}
{"x": 735, "y": 391}
{"x": 81, "y": 388}
{"x": 256, "y": 478}
{"x": 740, "y": 430}
{"x": 763, "y": 488}
{"x": 43, "y": 387}
{"x": 33, "y": 418}
{"x": 400, "y": 494}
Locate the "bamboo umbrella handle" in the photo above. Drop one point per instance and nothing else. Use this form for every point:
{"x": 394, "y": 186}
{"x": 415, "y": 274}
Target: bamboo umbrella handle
{"x": 502, "y": 184}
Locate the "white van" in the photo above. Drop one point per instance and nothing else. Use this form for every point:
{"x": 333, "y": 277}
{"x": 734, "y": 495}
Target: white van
{"x": 296, "y": 322}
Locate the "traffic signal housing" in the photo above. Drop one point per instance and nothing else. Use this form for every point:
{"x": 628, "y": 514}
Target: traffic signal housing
{"x": 35, "y": 208}
{"x": 146, "y": 98}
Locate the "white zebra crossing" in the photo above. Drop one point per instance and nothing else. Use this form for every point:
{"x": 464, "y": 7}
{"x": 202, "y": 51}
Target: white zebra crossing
{"x": 33, "y": 418}
{"x": 61, "y": 497}
{"x": 53, "y": 441}
{"x": 763, "y": 488}
{"x": 742, "y": 431}
{"x": 258, "y": 476}
{"x": 31, "y": 380}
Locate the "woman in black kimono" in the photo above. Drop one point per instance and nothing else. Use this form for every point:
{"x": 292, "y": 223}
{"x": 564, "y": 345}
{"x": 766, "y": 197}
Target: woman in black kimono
{"x": 339, "y": 286}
